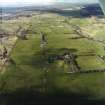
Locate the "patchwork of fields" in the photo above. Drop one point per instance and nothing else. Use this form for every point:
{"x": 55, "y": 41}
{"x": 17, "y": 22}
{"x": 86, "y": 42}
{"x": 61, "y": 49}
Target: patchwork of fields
{"x": 44, "y": 70}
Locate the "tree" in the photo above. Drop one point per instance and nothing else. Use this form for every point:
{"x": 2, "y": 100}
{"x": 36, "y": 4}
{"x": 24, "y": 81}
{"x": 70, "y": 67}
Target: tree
{"x": 21, "y": 33}
{"x": 43, "y": 41}
{"x": 4, "y": 53}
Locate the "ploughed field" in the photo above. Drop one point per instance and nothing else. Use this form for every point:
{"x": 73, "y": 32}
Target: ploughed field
{"x": 45, "y": 72}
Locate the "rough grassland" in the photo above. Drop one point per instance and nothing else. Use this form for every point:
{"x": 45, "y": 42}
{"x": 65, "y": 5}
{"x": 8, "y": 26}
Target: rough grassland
{"x": 32, "y": 80}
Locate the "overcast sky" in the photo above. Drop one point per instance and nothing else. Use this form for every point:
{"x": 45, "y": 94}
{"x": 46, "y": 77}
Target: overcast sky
{"x": 40, "y": 2}
{"x": 91, "y": 1}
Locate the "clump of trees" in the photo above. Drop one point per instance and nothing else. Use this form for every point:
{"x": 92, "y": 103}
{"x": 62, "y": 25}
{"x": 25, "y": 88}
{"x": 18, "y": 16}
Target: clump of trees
{"x": 21, "y": 33}
{"x": 43, "y": 40}
{"x": 43, "y": 43}
{"x": 3, "y": 53}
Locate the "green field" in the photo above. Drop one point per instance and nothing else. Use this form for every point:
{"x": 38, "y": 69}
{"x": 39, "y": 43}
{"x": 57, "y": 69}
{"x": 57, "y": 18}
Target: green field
{"x": 32, "y": 80}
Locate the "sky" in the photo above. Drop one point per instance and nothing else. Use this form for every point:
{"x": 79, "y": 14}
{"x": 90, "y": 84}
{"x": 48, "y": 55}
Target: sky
{"x": 40, "y": 2}
{"x": 91, "y": 1}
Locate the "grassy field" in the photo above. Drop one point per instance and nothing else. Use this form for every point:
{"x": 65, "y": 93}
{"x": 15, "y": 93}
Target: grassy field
{"x": 32, "y": 80}
{"x": 90, "y": 63}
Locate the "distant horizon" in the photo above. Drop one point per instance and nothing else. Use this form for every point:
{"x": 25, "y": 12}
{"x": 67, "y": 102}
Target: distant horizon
{"x": 19, "y": 3}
